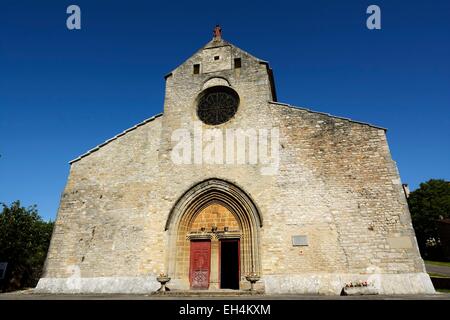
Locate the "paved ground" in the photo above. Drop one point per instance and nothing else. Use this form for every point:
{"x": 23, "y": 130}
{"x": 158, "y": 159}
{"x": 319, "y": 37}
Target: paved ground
{"x": 29, "y": 295}
{"x": 438, "y": 269}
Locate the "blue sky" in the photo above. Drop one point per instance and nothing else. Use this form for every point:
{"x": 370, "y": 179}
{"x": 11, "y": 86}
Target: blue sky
{"x": 63, "y": 92}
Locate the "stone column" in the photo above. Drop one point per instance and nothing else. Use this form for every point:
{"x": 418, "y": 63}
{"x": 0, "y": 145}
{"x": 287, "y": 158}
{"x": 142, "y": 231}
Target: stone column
{"x": 214, "y": 277}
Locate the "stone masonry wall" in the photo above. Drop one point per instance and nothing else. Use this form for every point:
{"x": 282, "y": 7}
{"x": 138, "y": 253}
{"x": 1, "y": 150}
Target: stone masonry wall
{"x": 339, "y": 186}
{"x": 108, "y": 213}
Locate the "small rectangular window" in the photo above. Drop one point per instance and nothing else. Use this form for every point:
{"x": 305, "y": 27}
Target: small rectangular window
{"x": 237, "y": 63}
{"x": 196, "y": 68}
{"x": 216, "y": 57}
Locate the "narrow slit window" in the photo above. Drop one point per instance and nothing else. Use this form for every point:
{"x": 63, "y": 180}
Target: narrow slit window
{"x": 196, "y": 68}
{"x": 237, "y": 63}
{"x": 216, "y": 57}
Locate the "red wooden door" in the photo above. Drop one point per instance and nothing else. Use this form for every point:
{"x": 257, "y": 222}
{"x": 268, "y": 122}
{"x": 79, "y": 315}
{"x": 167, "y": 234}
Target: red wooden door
{"x": 200, "y": 264}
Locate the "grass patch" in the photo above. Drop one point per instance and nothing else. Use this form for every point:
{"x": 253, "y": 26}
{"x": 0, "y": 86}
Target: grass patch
{"x": 438, "y": 275}
{"x": 438, "y": 263}
{"x": 443, "y": 290}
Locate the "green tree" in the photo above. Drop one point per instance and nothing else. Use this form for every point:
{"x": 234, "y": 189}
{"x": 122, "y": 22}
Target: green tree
{"x": 24, "y": 241}
{"x": 429, "y": 203}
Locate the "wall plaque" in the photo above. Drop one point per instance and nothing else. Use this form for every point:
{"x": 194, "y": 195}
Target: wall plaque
{"x": 299, "y": 241}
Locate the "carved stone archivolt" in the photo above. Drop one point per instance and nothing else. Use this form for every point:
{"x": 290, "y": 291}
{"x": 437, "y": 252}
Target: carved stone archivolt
{"x": 183, "y": 225}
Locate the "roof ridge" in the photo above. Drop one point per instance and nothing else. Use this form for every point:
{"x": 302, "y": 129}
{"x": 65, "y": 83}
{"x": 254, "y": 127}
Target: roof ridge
{"x": 327, "y": 114}
{"x": 115, "y": 137}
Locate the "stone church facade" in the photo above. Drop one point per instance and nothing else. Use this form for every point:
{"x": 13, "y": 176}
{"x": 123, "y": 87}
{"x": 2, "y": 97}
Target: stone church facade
{"x": 323, "y": 206}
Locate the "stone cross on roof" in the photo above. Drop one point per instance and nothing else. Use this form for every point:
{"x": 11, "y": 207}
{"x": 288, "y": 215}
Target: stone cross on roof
{"x": 217, "y": 32}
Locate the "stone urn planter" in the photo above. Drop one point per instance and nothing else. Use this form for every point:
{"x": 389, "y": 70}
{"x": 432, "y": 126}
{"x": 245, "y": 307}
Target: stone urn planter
{"x": 163, "y": 279}
{"x": 358, "y": 291}
{"x": 253, "y": 278}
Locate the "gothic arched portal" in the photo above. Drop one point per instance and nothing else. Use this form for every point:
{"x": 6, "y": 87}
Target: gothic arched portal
{"x": 212, "y": 221}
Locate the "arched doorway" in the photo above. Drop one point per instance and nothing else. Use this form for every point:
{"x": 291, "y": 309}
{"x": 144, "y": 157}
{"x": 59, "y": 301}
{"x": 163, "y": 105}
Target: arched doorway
{"x": 213, "y": 237}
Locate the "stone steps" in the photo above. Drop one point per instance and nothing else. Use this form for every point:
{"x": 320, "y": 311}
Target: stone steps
{"x": 209, "y": 293}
